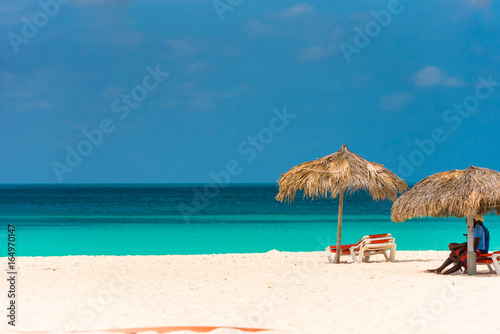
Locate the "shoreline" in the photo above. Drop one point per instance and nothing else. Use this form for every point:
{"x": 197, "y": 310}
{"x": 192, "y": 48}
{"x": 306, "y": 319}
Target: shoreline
{"x": 344, "y": 258}
{"x": 293, "y": 292}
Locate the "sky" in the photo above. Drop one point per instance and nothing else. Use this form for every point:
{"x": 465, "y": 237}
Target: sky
{"x": 240, "y": 91}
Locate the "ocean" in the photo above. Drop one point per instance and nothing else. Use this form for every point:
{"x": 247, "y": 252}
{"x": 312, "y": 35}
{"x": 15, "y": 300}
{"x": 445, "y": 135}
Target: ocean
{"x": 144, "y": 219}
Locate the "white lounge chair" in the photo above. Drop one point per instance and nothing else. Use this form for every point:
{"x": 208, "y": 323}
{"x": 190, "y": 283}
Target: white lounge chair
{"x": 368, "y": 245}
{"x": 490, "y": 259}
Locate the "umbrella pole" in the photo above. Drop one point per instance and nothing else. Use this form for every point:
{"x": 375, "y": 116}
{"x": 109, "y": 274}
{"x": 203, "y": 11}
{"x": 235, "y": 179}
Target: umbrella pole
{"x": 339, "y": 228}
{"x": 471, "y": 255}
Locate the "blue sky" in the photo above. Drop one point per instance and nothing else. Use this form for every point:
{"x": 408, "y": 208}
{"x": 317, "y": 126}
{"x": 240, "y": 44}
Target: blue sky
{"x": 233, "y": 72}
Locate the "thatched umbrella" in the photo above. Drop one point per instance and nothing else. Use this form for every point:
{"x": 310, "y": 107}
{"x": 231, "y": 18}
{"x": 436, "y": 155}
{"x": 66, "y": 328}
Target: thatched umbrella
{"x": 459, "y": 193}
{"x": 335, "y": 174}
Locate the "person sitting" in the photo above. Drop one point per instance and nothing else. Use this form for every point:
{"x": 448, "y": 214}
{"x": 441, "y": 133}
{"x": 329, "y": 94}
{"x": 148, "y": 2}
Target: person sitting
{"x": 458, "y": 253}
{"x": 456, "y": 249}
{"x": 481, "y": 245}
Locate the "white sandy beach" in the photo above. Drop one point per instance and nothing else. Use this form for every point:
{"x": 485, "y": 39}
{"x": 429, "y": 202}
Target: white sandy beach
{"x": 287, "y": 292}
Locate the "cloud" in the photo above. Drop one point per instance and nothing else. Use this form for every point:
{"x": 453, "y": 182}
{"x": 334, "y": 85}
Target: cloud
{"x": 32, "y": 105}
{"x": 28, "y": 91}
{"x": 112, "y": 92}
{"x": 396, "y": 102}
{"x": 184, "y": 47}
{"x": 295, "y": 11}
{"x": 433, "y": 76}
{"x": 87, "y": 2}
{"x": 128, "y": 39}
{"x": 189, "y": 85}
{"x": 14, "y": 7}
{"x": 316, "y": 52}
{"x": 198, "y": 68}
{"x": 200, "y": 101}
{"x": 479, "y": 3}
{"x": 361, "y": 17}
{"x": 186, "y": 96}
{"x": 255, "y": 28}
{"x": 12, "y": 11}
{"x": 241, "y": 90}
{"x": 337, "y": 33}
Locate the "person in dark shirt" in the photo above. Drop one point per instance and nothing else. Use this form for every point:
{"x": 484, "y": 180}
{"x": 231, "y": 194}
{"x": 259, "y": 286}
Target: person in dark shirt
{"x": 458, "y": 254}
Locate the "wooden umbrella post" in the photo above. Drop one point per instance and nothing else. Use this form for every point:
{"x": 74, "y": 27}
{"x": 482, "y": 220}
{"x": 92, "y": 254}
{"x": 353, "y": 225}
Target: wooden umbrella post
{"x": 339, "y": 228}
{"x": 471, "y": 255}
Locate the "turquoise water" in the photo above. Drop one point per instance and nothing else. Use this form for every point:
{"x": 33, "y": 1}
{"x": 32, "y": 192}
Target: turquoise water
{"x": 60, "y": 220}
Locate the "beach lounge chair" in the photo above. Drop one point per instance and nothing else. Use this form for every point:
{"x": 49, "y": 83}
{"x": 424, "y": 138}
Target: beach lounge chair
{"x": 368, "y": 245}
{"x": 490, "y": 259}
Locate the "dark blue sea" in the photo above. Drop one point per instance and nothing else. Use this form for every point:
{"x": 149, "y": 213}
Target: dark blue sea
{"x": 56, "y": 220}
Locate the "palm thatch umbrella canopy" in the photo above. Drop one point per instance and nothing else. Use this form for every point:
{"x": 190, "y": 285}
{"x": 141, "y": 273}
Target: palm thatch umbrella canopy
{"x": 459, "y": 193}
{"x": 335, "y": 174}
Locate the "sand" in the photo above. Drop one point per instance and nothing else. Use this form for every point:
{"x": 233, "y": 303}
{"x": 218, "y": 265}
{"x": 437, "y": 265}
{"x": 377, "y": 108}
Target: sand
{"x": 297, "y": 292}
